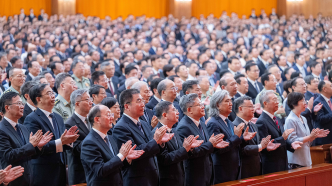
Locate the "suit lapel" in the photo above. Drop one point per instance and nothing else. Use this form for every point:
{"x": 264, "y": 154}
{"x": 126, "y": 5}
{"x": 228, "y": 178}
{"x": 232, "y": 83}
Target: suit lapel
{"x": 270, "y": 120}
{"x": 102, "y": 142}
{"x": 193, "y": 125}
{"x": 206, "y": 134}
{"x": 223, "y": 125}
{"x": 80, "y": 124}
{"x": 133, "y": 126}
{"x": 114, "y": 146}
{"x": 13, "y": 131}
{"x": 43, "y": 116}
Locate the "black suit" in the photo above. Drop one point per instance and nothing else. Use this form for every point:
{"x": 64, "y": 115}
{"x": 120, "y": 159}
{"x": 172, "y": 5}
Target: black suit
{"x": 252, "y": 92}
{"x": 101, "y": 166}
{"x": 121, "y": 88}
{"x": 226, "y": 161}
{"x": 75, "y": 169}
{"x": 49, "y": 168}
{"x": 29, "y": 78}
{"x": 308, "y": 95}
{"x": 152, "y": 103}
{"x": 170, "y": 161}
{"x": 147, "y": 117}
{"x": 144, "y": 170}
{"x": 15, "y": 152}
{"x": 323, "y": 120}
{"x": 273, "y": 161}
{"x": 261, "y": 67}
{"x": 26, "y": 112}
{"x": 250, "y": 164}
{"x": 198, "y": 167}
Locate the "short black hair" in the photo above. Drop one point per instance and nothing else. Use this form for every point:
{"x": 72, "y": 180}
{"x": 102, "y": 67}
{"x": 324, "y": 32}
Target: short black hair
{"x": 249, "y": 65}
{"x": 265, "y": 77}
{"x": 94, "y": 112}
{"x": 167, "y": 68}
{"x": 172, "y": 78}
{"x": 95, "y": 89}
{"x": 6, "y": 99}
{"x": 161, "y": 108}
{"x": 154, "y": 83}
{"x": 321, "y": 85}
{"x": 286, "y": 85}
{"x": 177, "y": 69}
{"x": 109, "y": 102}
{"x": 14, "y": 59}
{"x": 239, "y": 101}
{"x": 95, "y": 76}
{"x": 129, "y": 68}
{"x": 36, "y": 91}
{"x": 188, "y": 85}
{"x": 60, "y": 78}
{"x": 27, "y": 86}
{"x": 231, "y": 59}
{"x": 126, "y": 96}
{"x": 293, "y": 99}
{"x": 238, "y": 78}
{"x": 295, "y": 75}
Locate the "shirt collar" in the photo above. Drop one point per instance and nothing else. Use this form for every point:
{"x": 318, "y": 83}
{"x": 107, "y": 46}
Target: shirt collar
{"x": 223, "y": 117}
{"x": 81, "y": 117}
{"x": 45, "y": 112}
{"x": 168, "y": 129}
{"x": 32, "y": 107}
{"x": 11, "y": 122}
{"x": 240, "y": 93}
{"x": 102, "y": 135}
{"x": 246, "y": 122}
{"x": 265, "y": 63}
{"x": 155, "y": 97}
{"x": 326, "y": 99}
{"x": 134, "y": 120}
{"x": 231, "y": 71}
{"x": 298, "y": 66}
{"x": 271, "y": 116}
{"x": 195, "y": 121}
{"x": 31, "y": 75}
{"x": 251, "y": 81}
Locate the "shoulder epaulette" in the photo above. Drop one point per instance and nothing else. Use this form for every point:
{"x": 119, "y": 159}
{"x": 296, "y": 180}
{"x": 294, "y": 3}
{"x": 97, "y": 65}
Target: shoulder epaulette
{"x": 57, "y": 101}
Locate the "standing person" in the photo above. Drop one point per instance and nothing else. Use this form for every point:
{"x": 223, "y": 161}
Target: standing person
{"x": 50, "y": 167}
{"x": 114, "y": 106}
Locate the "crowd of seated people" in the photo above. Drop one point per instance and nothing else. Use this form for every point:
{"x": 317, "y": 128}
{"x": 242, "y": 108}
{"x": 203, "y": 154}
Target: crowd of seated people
{"x": 146, "y": 101}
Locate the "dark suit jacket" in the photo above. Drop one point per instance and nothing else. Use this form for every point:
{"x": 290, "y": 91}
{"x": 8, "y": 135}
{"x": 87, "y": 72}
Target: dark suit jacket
{"x": 121, "y": 88}
{"x": 297, "y": 69}
{"x": 151, "y": 51}
{"x": 323, "y": 120}
{"x": 115, "y": 82}
{"x": 261, "y": 67}
{"x": 308, "y": 95}
{"x": 198, "y": 167}
{"x": 117, "y": 72}
{"x": 48, "y": 168}
{"x": 149, "y": 114}
{"x": 170, "y": 161}
{"x": 252, "y": 92}
{"x": 101, "y": 166}
{"x": 250, "y": 164}
{"x": 26, "y": 112}
{"x": 273, "y": 161}
{"x": 75, "y": 169}
{"x": 15, "y": 152}
{"x": 226, "y": 161}
{"x": 29, "y": 78}
{"x": 144, "y": 170}
{"x": 152, "y": 103}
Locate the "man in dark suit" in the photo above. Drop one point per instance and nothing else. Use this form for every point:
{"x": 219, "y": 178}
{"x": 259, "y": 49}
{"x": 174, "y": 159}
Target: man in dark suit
{"x": 144, "y": 170}
{"x": 171, "y": 157}
{"x": 18, "y": 146}
{"x": 155, "y": 99}
{"x": 250, "y": 161}
{"x": 262, "y": 61}
{"x": 255, "y": 87}
{"x": 229, "y": 84}
{"x": 267, "y": 124}
{"x": 50, "y": 167}
{"x": 312, "y": 87}
{"x": 81, "y": 100}
{"x": 101, "y": 158}
{"x": 99, "y": 78}
{"x": 322, "y": 119}
{"x": 34, "y": 70}
{"x": 242, "y": 85}
{"x": 29, "y": 106}
{"x": 198, "y": 168}
{"x": 226, "y": 161}
{"x": 112, "y": 82}
{"x": 299, "y": 65}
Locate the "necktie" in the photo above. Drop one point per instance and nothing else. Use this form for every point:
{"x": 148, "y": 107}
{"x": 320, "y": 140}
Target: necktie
{"x": 174, "y": 138}
{"x": 139, "y": 125}
{"x": 146, "y": 116}
{"x": 229, "y": 125}
{"x": 108, "y": 144}
{"x": 257, "y": 88}
{"x": 87, "y": 123}
{"x": 18, "y": 130}
{"x": 251, "y": 129}
{"x": 276, "y": 121}
{"x": 279, "y": 89}
{"x": 330, "y": 105}
{"x": 111, "y": 89}
{"x": 56, "y": 133}
{"x": 201, "y": 130}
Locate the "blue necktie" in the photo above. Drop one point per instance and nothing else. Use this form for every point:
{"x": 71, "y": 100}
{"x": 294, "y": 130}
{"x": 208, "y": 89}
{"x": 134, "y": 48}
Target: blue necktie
{"x": 201, "y": 130}
{"x": 18, "y": 130}
{"x": 256, "y": 86}
{"x": 139, "y": 125}
{"x": 108, "y": 144}
{"x": 229, "y": 126}
{"x": 57, "y": 133}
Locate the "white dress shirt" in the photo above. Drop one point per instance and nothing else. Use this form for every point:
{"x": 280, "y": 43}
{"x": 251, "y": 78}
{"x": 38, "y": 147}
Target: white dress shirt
{"x": 195, "y": 121}
{"x": 83, "y": 119}
{"x": 32, "y": 107}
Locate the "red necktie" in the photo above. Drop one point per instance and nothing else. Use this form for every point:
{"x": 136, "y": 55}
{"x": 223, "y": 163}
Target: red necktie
{"x": 111, "y": 89}
{"x": 276, "y": 121}
{"x": 330, "y": 105}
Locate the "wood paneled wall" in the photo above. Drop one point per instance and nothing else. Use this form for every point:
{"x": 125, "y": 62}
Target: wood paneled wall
{"x": 115, "y": 8}
{"x": 12, "y": 7}
{"x": 241, "y": 7}
{"x": 305, "y": 7}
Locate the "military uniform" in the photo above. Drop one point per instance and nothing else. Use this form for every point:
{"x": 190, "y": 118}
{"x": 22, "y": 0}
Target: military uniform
{"x": 62, "y": 107}
{"x": 84, "y": 83}
{"x": 11, "y": 89}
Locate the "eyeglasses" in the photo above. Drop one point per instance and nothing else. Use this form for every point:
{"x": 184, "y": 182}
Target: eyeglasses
{"x": 17, "y": 103}
{"x": 89, "y": 100}
{"x": 174, "y": 88}
{"x": 21, "y": 76}
{"x": 49, "y": 94}
{"x": 201, "y": 105}
{"x": 107, "y": 115}
{"x": 249, "y": 106}
{"x": 138, "y": 101}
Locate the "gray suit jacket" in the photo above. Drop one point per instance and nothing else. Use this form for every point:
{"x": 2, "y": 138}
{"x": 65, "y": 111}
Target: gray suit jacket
{"x": 300, "y": 156}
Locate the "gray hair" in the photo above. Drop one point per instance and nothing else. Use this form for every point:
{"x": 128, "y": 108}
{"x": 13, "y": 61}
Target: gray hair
{"x": 130, "y": 81}
{"x": 104, "y": 65}
{"x": 138, "y": 85}
{"x": 215, "y": 101}
{"x": 289, "y": 53}
{"x": 264, "y": 97}
{"x": 2, "y": 54}
{"x": 75, "y": 62}
{"x": 60, "y": 78}
{"x": 11, "y": 71}
{"x": 223, "y": 81}
{"x": 162, "y": 86}
{"x": 186, "y": 101}
{"x": 94, "y": 112}
{"x": 38, "y": 78}
{"x": 77, "y": 95}
{"x": 200, "y": 78}
{"x": 34, "y": 57}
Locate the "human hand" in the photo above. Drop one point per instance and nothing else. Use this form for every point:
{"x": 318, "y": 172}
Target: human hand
{"x": 73, "y": 130}
{"x": 238, "y": 129}
{"x": 207, "y": 100}
{"x": 159, "y": 133}
{"x": 13, "y": 173}
{"x": 222, "y": 144}
{"x": 45, "y": 139}
{"x": 167, "y": 137}
{"x": 196, "y": 143}
{"x": 215, "y": 139}
{"x": 154, "y": 121}
{"x": 272, "y": 146}
{"x": 248, "y": 135}
{"x": 318, "y": 107}
{"x": 125, "y": 148}
{"x": 296, "y": 145}
{"x": 281, "y": 110}
{"x": 134, "y": 154}
{"x": 265, "y": 141}
{"x": 310, "y": 103}
{"x": 68, "y": 139}
{"x": 258, "y": 108}
{"x": 35, "y": 139}
{"x": 187, "y": 142}
{"x": 287, "y": 133}
{"x": 322, "y": 133}
{"x": 3, "y": 174}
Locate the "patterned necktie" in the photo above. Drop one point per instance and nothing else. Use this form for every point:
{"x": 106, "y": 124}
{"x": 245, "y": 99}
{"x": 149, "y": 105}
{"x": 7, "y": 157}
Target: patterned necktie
{"x": 330, "y": 105}
{"x": 18, "y": 130}
{"x": 57, "y": 133}
{"x": 276, "y": 121}
{"x": 108, "y": 144}
{"x": 111, "y": 89}
{"x": 139, "y": 125}
{"x": 256, "y": 87}
{"x": 201, "y": 130}
{"x": 229, "y": 125}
